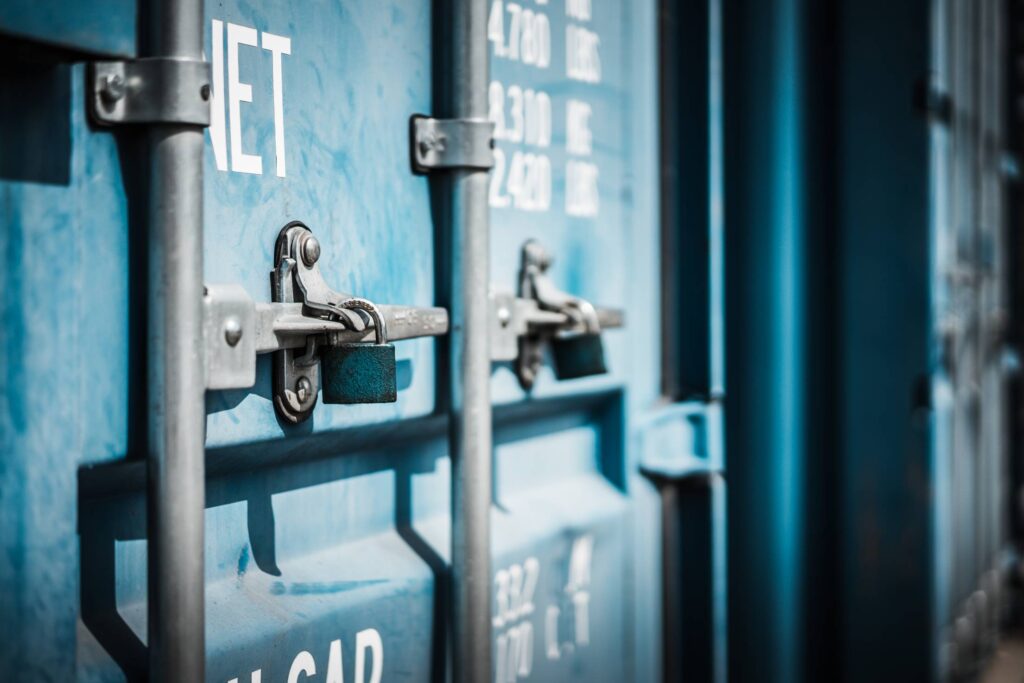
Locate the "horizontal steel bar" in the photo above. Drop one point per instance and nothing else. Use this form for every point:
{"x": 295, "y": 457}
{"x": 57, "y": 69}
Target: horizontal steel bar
{"x": 236, "y": 330}
{"x": 282, "y": 326}
{"x": 514, "y": 317}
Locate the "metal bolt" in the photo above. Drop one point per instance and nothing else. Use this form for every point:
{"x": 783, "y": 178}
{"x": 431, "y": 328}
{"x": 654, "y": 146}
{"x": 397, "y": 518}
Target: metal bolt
{"x": 303, "y": 389}
{"x": 310, "y": 251}
{"x": 204, "y": 91}
{"x": 431, "y": 142}
{"x": 112, "y": 88}
{"x": 504, "y": 316}
{"x": 232, "y": 331}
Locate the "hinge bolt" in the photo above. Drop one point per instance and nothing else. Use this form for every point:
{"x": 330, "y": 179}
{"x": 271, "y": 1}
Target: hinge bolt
{"x": 112, "y": 88}
{"x": 303, "y": 389}
{"x": 232, "y": 331}
{"x": 431, "y": 142}
{"x": 310, "y": 251}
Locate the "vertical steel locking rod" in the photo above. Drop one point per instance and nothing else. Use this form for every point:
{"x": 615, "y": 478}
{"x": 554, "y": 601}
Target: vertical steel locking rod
{"x": 176, "y": 384}
{"x": 469, "y": 361}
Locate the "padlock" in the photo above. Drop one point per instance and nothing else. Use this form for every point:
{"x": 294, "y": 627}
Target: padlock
{"x": 360, "y": 372}
{"x": 580, "y": 354}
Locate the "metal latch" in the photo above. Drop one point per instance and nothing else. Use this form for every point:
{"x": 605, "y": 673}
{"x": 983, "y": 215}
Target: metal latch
{"x": 314, "y": 332}
{"x": 151, "y": 90}
{"x": 450, "y": 143}
{"x": 543, "y": 315}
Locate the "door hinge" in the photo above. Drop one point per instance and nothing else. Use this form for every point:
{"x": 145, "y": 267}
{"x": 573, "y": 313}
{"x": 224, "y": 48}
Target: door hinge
{"x": 450, "y": 144}
{"x": 151, "y": 90}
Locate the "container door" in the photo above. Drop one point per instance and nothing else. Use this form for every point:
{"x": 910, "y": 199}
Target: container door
{"x": 317, "y": 558}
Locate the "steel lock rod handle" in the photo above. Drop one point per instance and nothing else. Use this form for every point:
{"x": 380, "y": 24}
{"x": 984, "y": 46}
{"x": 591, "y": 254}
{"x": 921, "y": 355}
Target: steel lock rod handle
{"x": 469, "y": 361}
{"x": 176, "y": 468}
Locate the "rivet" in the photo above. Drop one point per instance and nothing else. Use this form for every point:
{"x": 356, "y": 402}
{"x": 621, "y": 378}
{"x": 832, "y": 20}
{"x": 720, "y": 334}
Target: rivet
{"x": 112, "y": 88}
{"x": 232, "y": 331}
{"x": 303, "y": 389}
{"x": 310, "y": 251}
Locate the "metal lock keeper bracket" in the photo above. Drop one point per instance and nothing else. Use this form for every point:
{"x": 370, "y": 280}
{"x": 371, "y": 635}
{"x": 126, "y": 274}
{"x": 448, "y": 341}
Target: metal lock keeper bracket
{"x": 543, "y": 315}
{"x": 436, "y": 144}
{"x": 312, "y": 330}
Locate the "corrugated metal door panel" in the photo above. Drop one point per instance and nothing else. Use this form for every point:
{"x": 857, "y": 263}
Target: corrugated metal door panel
{"x": 565, "y": 524}
{"x": 298, "y": 557}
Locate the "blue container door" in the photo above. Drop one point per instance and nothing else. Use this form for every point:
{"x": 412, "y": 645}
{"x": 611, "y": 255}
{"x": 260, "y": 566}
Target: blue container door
{"x": 316, "y": 567}
{"x": 573, "y": 95}
{"x": 611, "y": 489}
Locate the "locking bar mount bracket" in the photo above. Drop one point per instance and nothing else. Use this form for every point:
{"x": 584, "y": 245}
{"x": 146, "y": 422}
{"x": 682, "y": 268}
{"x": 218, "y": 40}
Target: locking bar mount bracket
{"x": 311, "y": 329}
{"x": 150, "y": 90}
{"x": 541, "y": 316}
{"x": 438, "y": 144}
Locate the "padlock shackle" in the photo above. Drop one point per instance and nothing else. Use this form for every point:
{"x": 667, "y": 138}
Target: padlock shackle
{"x": 588, "y": 314}
{"x": 379, "y": 326}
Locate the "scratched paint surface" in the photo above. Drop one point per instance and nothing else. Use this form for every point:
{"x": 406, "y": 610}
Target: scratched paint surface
{"x": 64, "y": 381}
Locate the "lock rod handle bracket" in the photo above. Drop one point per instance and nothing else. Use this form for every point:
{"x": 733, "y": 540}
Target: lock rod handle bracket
{"x": 437, "y": 144}
{"x": 163, "y": 90}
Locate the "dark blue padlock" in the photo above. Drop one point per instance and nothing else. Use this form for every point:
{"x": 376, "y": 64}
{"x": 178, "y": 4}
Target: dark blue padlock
{"x": 360, "y": 372}
{"x": 581, "y": 353}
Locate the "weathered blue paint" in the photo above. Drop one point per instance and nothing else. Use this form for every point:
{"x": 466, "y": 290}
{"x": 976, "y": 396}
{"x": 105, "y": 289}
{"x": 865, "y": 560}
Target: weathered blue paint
{"x": 65, "y": 392}
{"x": 347, "y": 178}
{"x": 359, "y": 374}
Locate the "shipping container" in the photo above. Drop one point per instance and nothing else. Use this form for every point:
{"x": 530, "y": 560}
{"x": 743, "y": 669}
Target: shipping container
{"x": 331, "y": 255}
{"x": 379, "y": 340}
